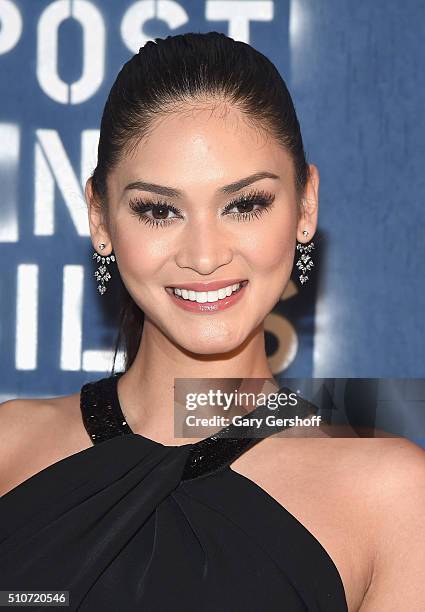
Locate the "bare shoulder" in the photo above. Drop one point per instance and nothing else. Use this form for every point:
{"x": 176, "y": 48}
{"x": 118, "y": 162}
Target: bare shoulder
{"x": 381, "y": 470}
{"x": 398, "y": 488}
{"x": 383, "y": 483}
{"x": 399, "y": 461}
{"x": 345, "y": 491}
{"x": 387, "y": 469}
{"x": 35, "y": 433}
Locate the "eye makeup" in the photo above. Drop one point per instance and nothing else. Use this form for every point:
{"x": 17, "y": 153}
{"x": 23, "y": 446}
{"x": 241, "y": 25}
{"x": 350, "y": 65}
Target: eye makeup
{"x": 141, "y": 206}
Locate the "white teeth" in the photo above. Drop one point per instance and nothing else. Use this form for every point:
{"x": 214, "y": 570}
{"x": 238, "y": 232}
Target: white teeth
{"x": 206, "y": 296}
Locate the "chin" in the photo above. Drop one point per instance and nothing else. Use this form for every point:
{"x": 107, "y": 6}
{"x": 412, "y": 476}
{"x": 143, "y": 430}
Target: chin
{"x": 210, "y": 344}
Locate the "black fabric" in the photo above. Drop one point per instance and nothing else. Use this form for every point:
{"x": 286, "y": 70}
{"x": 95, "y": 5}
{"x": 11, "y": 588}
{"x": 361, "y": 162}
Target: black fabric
{"x": 131, "y": 524}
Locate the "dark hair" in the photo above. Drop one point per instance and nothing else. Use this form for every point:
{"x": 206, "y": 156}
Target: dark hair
{"x": 171, "y": 74}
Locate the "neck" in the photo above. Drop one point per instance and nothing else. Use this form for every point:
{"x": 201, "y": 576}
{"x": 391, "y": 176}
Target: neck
{"x": 147, "y": 390}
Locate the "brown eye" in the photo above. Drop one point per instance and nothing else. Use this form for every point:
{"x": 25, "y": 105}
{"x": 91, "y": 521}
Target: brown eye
{"x": 245, "y": 206}
{"x": 160, "y": 212}
{"x": 154, "y": 213}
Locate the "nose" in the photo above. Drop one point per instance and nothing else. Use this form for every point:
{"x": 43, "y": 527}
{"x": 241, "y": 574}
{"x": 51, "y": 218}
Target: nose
{"x": 204, "y": 247}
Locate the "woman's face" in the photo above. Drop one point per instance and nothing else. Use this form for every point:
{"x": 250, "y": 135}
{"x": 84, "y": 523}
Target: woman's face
{"x": 201, "y": 234}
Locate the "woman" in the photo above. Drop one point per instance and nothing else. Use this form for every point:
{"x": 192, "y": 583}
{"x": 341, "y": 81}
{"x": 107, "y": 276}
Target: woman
{"x": 201, "y": 184}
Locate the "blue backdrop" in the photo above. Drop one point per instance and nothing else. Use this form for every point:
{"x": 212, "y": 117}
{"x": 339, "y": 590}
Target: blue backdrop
{"x": 355, "y": 71}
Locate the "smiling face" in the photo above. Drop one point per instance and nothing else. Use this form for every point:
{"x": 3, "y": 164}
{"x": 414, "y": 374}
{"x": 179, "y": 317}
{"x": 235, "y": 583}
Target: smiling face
{"x": 204, "y": 232}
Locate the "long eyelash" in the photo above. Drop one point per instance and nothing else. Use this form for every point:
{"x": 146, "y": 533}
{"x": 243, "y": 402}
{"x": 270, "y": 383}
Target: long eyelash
{"x": 255, "y": 196}
{"x": 259, "y": 197}
{"x": 140, "y": 206}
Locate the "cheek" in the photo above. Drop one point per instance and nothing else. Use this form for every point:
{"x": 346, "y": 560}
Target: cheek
{"x": 140, "y": 257}
{"x": 272, "y": 249}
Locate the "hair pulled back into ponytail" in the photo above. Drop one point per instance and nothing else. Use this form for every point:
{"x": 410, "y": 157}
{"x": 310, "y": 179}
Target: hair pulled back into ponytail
{"x": 175, "y": 73}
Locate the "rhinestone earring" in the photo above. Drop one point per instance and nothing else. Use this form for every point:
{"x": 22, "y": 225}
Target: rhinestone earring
{"x": 102, "y": 275}
{"x": 305, "y": 262}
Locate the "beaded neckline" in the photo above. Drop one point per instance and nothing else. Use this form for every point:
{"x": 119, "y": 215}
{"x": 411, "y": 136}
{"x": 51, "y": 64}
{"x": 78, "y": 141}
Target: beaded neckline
{"x": 103, "y": 419}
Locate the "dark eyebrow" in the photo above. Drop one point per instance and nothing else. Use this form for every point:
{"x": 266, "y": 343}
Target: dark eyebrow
{"x": 171, "y": 192}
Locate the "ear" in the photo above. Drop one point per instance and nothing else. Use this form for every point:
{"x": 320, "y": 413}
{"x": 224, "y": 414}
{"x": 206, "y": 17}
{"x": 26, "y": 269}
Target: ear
{"x": 309, "y": 206}
{"x": 97, "y": 219}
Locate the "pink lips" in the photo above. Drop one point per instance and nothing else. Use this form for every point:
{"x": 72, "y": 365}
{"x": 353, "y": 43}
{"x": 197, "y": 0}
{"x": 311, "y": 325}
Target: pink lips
{"x": 209, "y": 286}
{"x": 207, "y": 307}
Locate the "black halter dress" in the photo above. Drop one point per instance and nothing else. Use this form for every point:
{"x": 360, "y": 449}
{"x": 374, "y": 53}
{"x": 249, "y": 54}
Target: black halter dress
{"x": 130, "y": 524}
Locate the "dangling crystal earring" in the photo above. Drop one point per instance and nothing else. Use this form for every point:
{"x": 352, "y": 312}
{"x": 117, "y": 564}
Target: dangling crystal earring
{"x": 102, "y": 275}
{"x": 305, "y": 262}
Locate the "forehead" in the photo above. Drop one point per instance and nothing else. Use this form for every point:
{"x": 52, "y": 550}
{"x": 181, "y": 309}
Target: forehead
{"x": 202, "y": 147}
